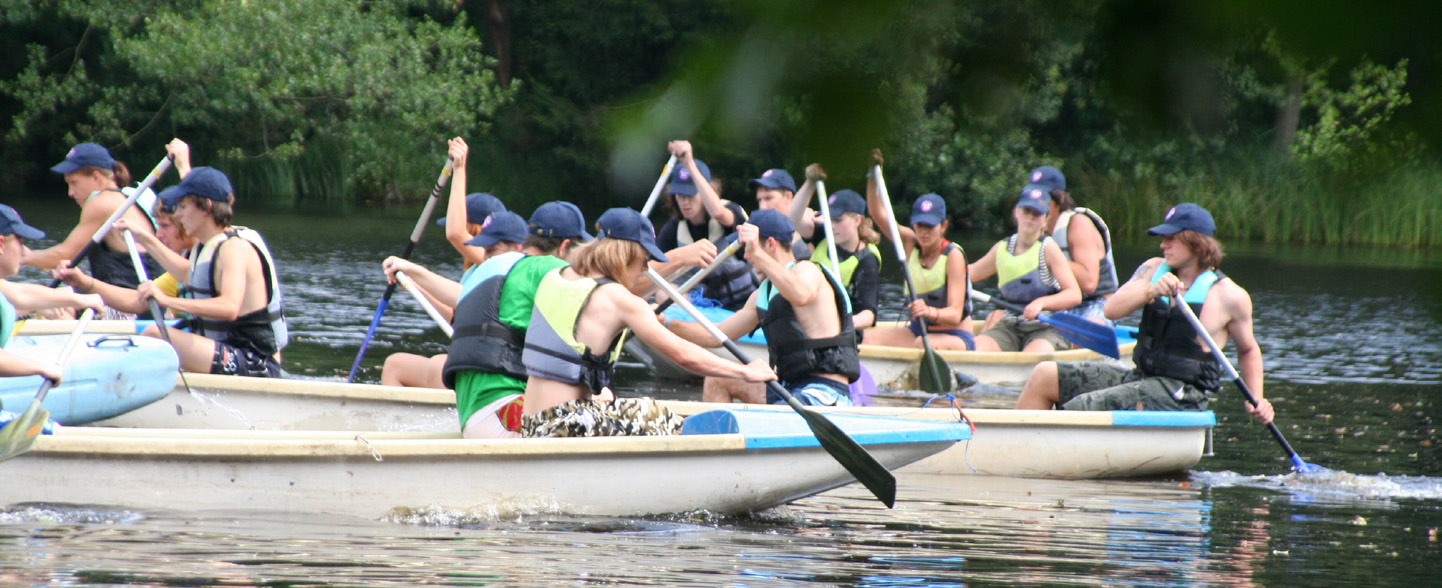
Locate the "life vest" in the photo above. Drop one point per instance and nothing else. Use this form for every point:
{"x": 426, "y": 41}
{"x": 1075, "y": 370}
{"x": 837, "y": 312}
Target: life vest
{"x": 552, "y": 350}
{"x": 1107, "y": 269}
{"x": 822, "y": 257}
{"x": 7, "y": 320}
{"x": 714, "y": 230}
{"x": 1024, "y": 276}
{"x": 1166, "y": 341}
{"x": 116, "y": 267}
{"x": 480, "y": 340}
{"x": 731, "y": 283}
{"x": 932, "y": 281}
{"x": 793, "y": 353}
{"x": 263, "y": 329}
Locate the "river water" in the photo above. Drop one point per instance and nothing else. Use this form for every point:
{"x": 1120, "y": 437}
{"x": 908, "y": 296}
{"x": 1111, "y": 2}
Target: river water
{"x": 1353, "y": 345}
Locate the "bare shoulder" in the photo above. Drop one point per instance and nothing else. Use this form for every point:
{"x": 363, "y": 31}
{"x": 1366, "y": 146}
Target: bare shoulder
{"x": 1146, "y": 269}
{"x": 1234, "y": 298}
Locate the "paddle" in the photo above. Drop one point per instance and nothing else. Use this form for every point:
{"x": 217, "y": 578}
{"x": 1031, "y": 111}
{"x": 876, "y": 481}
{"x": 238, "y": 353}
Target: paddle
{"x": 1300, "y": 466}
{"x": 155, "y": 311}
{"x": 1096, "y": 337}
{"x": 701, "y": 275}
{"x": 19, "y": 436}
{"x": 104, "y": 229}
{"x": 660, "y": 183}
{"x": 415, "y": 292}
{"x": 846, "y": 450}
{"x": 865, "y": 385}
{"x": 934, "y": 376}
{"x": 406, "y": 254}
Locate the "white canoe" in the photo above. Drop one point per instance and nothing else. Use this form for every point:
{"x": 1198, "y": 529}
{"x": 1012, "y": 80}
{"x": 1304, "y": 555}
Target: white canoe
{"x": 1046, "y": 444}
{"x": 897, "y": 366}
{"x": 725, "y": 462}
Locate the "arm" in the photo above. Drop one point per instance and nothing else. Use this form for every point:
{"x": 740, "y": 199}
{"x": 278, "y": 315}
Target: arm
{"x": 800, "y": 211}
{"x": 441, "y": 290}
{"x": 14, "y": 365}
{"x": 456, "y": 219}
{"x": 173, "y": 262}
{"x": 32, "y": 297}
{"x": 881, "y": 214}
{"x": 698, "y": 254}
{"x": 236, "y": 260}
{"x": 985, "y": 267}
{"x": 955, "y": 311}
{"x": 1135, "y": 293}
{"x": 636, "y": 315}
{"x": 1087, "y": 250}
{"x": 734, "y": 327}
{"x": 180, "y": 155}
{"x": 1070, "y": 294}
{"x": 92, "y": 216}
{"x": 685, "y": 156}
{"x": 1238, "y": 306}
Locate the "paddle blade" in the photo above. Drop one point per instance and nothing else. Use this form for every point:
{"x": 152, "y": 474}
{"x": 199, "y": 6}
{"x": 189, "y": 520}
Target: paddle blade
{"x": 370, "y": 332}
{"x": 19, "y": 436}
{"x": 934, "y": 375}
{"x": 847, "y": 451}
{"x": 1082, "y": 332}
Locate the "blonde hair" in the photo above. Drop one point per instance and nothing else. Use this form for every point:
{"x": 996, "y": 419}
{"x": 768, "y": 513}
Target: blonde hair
{"x": 611, "y": 258}
{"x": 866, "y": 230}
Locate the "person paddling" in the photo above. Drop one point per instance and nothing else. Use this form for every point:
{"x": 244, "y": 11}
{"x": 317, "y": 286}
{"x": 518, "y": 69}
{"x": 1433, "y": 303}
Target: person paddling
{"x": 484, "y": 363}
{"x": 18, "y": 299}
{"x": 581, "y": 315}
{"x": 803, "y": 310}
{"x": 1032, "y": 272}
{"x": 1086, "y": 241}
{"x": 856, "y": 240}
{"x": 938, "y": 269}
{"x": 1174, "y": 368}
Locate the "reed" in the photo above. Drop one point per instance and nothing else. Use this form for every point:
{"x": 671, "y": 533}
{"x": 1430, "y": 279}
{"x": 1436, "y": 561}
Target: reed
{"x": 320, "y": 174}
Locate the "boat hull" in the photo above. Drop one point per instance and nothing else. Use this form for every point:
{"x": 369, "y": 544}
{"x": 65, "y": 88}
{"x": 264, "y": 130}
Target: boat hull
{"x": 107, "y": 375}
{"x": 371, "y": 474}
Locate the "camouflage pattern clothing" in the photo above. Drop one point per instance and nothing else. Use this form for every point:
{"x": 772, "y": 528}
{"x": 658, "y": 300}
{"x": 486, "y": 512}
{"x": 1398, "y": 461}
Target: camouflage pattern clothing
{"x": 590, "y": 418}
{"x": 1095, "y": 385}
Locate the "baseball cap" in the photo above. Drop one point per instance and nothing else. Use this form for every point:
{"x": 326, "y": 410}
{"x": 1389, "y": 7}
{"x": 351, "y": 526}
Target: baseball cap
{"x": 206, "y": 182}
{"x": 559, "y": 219}
{"x": 1036, "y": 197}
{"x": 479, "y": 205}
{"x": 681, "y": 181}
{"x": 844, "y": 201}
{"x": 627, "y": 224}
{"x": 85, "y": 155}
{"x": 773, "y": 225}
{"x": 1185, "y": 217}
{"x": 776, "y": 179}
{"x": 1048, "y": 176}
{"x": 929, "y": 209}
{"x": 501, "y": 226}
{"x": 11, "y": 224}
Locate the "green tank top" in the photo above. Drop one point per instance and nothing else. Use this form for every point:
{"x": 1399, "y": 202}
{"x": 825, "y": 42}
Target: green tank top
{"x": 848, "y": 267}
{"x": 7, "y": 320}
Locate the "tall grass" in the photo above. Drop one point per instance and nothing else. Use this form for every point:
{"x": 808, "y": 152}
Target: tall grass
{"x": 1285, "y": 202}
{"x": 319, "y": 176}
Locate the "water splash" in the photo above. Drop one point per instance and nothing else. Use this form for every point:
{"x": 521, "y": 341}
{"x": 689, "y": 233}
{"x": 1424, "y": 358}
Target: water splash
{"x": 1332, "y": 485}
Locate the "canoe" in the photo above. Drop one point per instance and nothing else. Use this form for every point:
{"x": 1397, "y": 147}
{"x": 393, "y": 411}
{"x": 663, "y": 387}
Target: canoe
{"x": 107, "y": 375}
{"x": 726, "y": 461}
{"x": 97, "y": 327}
{"x": 1043, "y": 444}
{"x": 896, "y": 367}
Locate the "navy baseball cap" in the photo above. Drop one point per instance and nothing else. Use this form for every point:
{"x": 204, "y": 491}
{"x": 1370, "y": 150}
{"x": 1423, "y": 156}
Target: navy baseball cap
{"x": 12, "y": 224}
{"x": 501, "y": 226}
{"x": 776, "y": 179}
{"x": 206, "y": 182}
{"x": 929, "y": 209}
{"x": 85, "y": 155}
{"x": 773, "y": 225}
{"x": 681, "y": 181}
{"x": 1049, "y": 176}
{"x": 479, "y": 205}
{"x": 559, "y": 219}
{"x": 1185, "y": 217}
{"x": 844, "y": 201}
{"x": 1036, "y": 197}
{"x": 627, "y": 224}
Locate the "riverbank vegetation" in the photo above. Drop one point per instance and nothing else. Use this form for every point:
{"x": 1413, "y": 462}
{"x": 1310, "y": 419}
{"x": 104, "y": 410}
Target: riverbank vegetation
{"x": 1292, "y": 122}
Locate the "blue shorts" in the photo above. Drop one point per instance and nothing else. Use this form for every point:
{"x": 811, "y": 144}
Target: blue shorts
{"x": 814, "y": 392}
{"x": 965, "y": 336}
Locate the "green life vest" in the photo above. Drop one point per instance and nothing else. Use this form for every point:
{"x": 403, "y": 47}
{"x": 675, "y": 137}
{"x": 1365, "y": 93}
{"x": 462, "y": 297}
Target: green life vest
{"x": 931, "y": 282}
{"x": 1024, "y": 276}
{"x": 848, "y": 265}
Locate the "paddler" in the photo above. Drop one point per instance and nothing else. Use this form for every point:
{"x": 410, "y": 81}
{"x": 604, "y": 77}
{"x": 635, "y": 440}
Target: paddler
{"x": 581, "y": 315}
{"x": 1174, "y": 369}
{"x": 18, "y": 299}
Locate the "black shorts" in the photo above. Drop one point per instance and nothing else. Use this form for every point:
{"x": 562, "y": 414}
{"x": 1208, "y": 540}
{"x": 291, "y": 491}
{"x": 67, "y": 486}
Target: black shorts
{"x": 230, "y": 360}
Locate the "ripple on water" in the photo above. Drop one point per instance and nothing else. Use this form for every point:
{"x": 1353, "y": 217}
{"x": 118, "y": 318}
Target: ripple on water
{"x": 1332, "y": 486}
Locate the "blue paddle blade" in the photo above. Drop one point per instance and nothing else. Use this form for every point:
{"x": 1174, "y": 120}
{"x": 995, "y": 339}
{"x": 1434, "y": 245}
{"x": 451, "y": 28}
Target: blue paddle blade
{"x": 370, "y": 332}
{"x": 1303, "y": 467}
{"x": 1082, "y": 332}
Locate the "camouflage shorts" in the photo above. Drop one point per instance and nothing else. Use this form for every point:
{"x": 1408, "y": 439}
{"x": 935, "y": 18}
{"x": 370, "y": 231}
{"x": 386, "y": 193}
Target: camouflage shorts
{"x": 1014, "y": 333}
{"x": 1093, "y": 385}
{"x": 589, "y": 418}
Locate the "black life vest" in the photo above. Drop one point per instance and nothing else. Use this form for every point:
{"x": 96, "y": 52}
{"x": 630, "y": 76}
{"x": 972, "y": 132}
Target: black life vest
{"x": 796, "y": 355}
{"x": 481, "y": 342}
{"x": 1167, "y": 343}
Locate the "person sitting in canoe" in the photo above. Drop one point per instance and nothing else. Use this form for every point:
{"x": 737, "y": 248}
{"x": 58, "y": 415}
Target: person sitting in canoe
{"x": 1085, "y": 240}
{"x": 1174, "y": 369}
{"x": 699, "y": 218}
{"x": 804, "y": 312}
{"x": 18, "y": 299}
{"x": 856, "y": 240}
{"x": 232, "y": 289}
{"x": 590, "y": 306}
{"x": 94, "y": 181}
{"x": 1032, "y": 272}
{"x": 938, "y": 269}
{"x": 465, "y": 215}
{"x": 484, "y": 364}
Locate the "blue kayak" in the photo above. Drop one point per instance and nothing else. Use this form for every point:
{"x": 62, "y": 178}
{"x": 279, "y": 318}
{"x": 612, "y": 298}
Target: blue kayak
{"x": 107, "y": 375}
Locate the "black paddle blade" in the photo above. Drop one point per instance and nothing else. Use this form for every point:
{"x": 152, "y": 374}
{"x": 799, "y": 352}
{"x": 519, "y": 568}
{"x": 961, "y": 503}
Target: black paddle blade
{"x": 934, "y": 375}
{"x": 1096, "y": 337}
{"x": 850, "y": 454}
